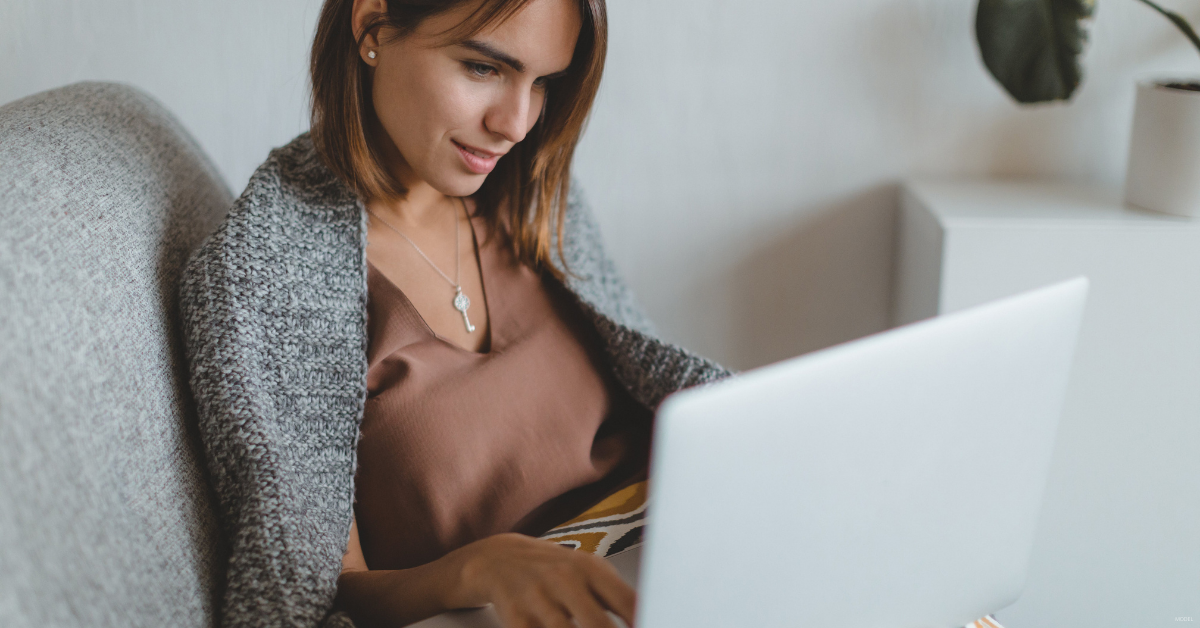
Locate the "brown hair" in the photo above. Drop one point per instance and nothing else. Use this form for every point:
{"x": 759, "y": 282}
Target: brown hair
{"x": 530, "y": 183}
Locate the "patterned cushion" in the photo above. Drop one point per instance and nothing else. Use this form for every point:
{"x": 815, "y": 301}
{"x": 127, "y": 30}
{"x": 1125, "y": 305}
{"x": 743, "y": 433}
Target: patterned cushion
{"x": 610, "y": 527}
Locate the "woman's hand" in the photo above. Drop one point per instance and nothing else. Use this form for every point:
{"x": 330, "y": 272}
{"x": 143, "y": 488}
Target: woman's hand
{"x": 534, "y": 583}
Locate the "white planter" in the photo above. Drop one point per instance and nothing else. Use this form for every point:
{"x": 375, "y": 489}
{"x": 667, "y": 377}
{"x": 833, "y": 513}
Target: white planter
{"x": 1164, "y": 150}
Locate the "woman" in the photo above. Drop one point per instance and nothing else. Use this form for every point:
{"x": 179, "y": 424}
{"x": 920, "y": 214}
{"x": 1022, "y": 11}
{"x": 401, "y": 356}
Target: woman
{"x": 419, "y": 268}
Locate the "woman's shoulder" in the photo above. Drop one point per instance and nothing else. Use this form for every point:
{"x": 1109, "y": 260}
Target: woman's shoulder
{"x": 294, "y": 185}
{"x": 583, "y": 242}
{"x": 294, "y": 213}
{"x": 591, "y": 273}
{"x": 289, "y": 194}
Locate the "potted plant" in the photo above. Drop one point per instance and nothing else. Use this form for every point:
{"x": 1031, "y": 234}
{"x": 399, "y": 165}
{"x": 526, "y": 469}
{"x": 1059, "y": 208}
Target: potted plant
{"x": 1032, "y": 48}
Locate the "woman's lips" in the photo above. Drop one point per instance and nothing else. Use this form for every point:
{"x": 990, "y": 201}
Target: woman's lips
{"x": 478, "y": 160}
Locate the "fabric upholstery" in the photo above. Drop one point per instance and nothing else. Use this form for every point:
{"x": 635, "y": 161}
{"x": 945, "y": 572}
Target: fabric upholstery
{"x": 106, "y": 517}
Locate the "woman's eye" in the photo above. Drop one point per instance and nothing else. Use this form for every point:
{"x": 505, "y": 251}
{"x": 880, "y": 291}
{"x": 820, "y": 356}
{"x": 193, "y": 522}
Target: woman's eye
{"x": 540, "y": 83}
{"x": 479, "y": 70}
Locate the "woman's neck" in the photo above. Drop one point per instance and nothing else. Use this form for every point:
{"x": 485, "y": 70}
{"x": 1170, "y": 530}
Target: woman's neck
{"x": 422, "y": 207}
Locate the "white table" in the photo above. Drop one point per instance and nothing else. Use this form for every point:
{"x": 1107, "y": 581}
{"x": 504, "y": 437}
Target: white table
{"x": 1118, "y": 543}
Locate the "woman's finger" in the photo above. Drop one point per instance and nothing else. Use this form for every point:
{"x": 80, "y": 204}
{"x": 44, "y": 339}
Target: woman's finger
{"x": 579, "y": 600}
{"x": 549, "y": 614}
{"x": 511, "y": 617}
{"x": 613, "y": 592}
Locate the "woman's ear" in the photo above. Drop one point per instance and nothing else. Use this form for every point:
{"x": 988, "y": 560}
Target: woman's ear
{"x": 363, "y": 13}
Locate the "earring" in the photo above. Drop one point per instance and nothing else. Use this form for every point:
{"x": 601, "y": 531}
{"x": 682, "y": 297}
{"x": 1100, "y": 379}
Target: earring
{"x": 371, "y": 54}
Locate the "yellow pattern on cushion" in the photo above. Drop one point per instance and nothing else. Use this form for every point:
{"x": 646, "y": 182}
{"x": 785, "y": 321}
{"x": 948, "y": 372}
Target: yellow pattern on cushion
{"x": 584, "y": 541}
{"x": 621, "y": 502}
{"x": 611, "y": 526}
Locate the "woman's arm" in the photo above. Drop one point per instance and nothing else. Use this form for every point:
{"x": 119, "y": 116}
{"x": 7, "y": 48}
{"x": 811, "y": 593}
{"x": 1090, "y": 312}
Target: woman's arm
{"x": 529, "y": 581}
{"x": 378, "y": 598}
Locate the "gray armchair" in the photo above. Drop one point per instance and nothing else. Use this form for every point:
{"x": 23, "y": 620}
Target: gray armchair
{"x": 106, "y": 517}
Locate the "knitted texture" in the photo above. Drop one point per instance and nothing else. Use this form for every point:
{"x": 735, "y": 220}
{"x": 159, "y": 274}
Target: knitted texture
{"x": 275, "y": 324}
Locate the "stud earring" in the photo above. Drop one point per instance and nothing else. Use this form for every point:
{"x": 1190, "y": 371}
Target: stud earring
{"x": 371, "y": 54}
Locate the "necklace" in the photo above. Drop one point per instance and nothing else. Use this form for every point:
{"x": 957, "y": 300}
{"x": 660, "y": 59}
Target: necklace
{"x": 461, "y": 302}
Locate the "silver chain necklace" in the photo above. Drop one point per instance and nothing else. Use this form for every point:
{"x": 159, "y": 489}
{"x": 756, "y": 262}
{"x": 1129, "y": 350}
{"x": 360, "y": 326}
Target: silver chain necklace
{"x": 461, "y": 302}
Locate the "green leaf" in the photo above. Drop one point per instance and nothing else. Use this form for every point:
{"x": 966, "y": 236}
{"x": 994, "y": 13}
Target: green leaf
{"x": 1032, "y": 47}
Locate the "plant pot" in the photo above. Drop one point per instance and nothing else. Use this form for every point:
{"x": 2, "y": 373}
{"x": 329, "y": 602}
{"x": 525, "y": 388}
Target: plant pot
{"x": 1164, "y": 150}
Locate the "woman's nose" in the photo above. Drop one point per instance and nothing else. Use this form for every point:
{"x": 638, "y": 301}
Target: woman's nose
{"x": 510, "y": 115}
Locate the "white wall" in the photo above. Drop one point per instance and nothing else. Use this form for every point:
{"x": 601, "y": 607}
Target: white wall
{"x": 234, "y": 71}
{"x": 743, "y": 156}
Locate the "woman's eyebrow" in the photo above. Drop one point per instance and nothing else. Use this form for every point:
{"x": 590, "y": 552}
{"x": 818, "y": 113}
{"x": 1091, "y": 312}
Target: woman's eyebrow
{"x": 488, "y": 50}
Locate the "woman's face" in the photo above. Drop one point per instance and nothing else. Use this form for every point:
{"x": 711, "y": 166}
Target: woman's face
{"x": 452, "y": 111}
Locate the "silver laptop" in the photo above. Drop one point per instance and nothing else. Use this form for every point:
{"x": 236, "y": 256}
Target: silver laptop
{"x": 890, "y": 482}
{"x": 894, "y": 481}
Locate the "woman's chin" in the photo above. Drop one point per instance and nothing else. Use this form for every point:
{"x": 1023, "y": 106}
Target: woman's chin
{"x": 460, "y": 184}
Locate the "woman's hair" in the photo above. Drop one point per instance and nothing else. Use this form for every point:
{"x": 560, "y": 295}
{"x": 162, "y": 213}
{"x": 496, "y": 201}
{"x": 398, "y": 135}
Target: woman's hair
{"x": 530, "y": 183}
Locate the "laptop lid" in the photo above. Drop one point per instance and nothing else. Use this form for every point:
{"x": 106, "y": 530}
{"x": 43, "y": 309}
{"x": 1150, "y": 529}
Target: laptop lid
{"x": 891, "y": 481}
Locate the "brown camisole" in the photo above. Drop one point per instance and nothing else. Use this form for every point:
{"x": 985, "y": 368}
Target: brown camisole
{"x": 458, "y": 445}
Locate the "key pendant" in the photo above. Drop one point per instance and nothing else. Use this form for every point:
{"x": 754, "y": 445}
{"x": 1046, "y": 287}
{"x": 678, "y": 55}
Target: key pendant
{"x": 461, "y": 303}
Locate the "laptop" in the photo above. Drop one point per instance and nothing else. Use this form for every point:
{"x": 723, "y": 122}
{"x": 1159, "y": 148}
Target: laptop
{"x": 890, "y": 482}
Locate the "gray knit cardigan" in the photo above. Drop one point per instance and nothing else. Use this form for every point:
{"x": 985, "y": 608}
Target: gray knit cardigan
{"x": 274, "y": 309}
